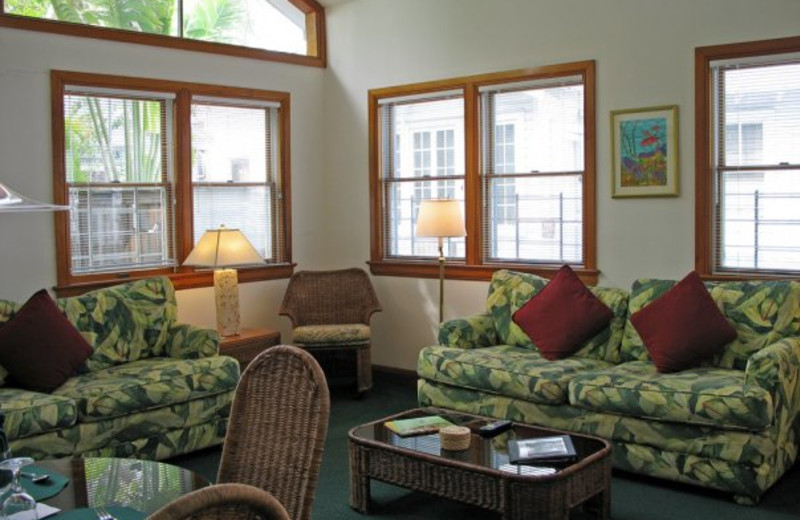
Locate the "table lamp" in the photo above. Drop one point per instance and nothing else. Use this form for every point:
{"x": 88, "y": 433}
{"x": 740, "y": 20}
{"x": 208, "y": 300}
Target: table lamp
{"x": 223, "y": 249}
{"x": 440, "y": 218}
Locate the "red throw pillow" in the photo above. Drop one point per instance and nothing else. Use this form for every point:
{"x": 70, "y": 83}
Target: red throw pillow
{"x": 683, "y": 326}
{"x": 562, "y": 316}
{"x": 39, "y": 347}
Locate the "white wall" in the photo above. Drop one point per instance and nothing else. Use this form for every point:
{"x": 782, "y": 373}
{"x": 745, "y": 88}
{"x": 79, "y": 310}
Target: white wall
{"x": 644, "y": 52}
{"x": 27, "y": 245}
{"x": 645, "y": 57}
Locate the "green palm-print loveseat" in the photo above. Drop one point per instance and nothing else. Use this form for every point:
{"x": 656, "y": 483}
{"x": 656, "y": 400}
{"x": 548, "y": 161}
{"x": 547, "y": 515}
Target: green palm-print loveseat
{"x": 730, "y": 424}
{"x": 152, "y": 388}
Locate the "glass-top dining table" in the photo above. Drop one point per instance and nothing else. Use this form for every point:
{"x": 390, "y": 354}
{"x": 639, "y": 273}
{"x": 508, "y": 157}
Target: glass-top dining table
{"x": 143, "y": 485}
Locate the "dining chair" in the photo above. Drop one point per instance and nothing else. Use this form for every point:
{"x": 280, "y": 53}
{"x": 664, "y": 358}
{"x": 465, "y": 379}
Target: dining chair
{"x": 277, "y": 427}
{"x": 330, "y": 313}
{"x": 224, "y": 501}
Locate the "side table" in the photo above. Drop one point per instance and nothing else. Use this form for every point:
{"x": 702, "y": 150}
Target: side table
{"x": 248, "y": 344}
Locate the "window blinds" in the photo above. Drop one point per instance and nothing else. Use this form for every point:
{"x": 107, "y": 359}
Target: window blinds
{"x": 119, "y": 179}
{"x": 422, "y": 157}
{"x": 235, "y": 171}
{"x": 757, "y": 164}
{"x": 532, "y": 145}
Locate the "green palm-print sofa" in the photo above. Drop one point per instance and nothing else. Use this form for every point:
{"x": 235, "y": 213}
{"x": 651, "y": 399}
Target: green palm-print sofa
{"x": 152, "y": 388}
{"x": 730, "y": 424}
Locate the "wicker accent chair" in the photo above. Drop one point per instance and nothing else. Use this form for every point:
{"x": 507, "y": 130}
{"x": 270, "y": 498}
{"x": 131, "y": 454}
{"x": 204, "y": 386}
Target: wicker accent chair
{"x": 277, "y": 427}
{"x": 330, "y": 311}
{"x": 224, "y": 501}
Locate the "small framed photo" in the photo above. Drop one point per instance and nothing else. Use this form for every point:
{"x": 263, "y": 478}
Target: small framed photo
{"x": 644, "y": 152}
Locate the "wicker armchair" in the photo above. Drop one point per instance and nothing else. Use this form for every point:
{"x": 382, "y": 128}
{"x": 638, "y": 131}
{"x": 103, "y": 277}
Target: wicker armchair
{"x": 224, "y": 501}
{"x": 277, "y": 427}
{"x": 331, "y": 311}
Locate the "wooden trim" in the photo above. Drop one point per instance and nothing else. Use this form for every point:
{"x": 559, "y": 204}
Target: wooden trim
{"x": 474, "y": 268}
{"x": 183, "y": 277}
{"x": 462, "y": 271}
{"x": 183, "y": 280}
{"x": 704, "y": 160}
{"x": 315, "y": 33}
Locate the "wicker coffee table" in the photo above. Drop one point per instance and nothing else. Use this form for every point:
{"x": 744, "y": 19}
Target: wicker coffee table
{"x": 480, "y": 475}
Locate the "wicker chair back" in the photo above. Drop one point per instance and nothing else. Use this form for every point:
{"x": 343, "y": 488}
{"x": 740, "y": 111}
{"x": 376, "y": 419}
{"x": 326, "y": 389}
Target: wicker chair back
{"x": 277, "y": 427}
{"x": 224, "y": 501}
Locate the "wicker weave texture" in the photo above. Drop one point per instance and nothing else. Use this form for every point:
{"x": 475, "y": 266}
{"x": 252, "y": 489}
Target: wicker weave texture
{"x": 277, "y": 427}
{"x": 224, "y": 501}
{"x": 330, "y": 297}
{"x": 339, "y": 297}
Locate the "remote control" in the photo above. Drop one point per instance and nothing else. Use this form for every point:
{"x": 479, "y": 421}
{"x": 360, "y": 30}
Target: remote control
{"x": 494, "y": 428}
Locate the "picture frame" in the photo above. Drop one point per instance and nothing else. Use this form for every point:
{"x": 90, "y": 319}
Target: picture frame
{"x": 644, "y": 152}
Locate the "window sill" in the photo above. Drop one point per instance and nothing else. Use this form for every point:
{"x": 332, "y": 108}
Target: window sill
{"x": 185, "y": 279}
{"x": 460, "y": 271}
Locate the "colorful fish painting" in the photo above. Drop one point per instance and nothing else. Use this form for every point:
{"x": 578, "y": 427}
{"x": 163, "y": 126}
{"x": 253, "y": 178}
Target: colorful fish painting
{"x": 643, "y": 152}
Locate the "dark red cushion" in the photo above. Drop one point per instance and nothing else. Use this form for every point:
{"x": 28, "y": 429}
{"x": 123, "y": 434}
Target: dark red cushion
{"x": 562, "y": 316}
{"x": 39, "y": 347}
{"x": 683, "y": 326}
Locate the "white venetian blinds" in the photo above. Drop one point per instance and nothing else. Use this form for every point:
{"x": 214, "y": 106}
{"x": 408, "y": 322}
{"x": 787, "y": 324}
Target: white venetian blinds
{"x": 532, "y": 171}
{"x": 756, "y": 114}
{"x": 236, "y": 172}
{"x": 119, "y": 177}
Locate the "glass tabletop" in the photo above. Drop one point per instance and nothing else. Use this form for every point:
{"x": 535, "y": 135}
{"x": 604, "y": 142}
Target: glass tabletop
{"x": 143, "y": 485}
{"x": 489, "y": 453}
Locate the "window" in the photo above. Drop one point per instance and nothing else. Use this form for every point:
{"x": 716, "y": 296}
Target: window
{"x": 280, "y": 30}
{"x": 147, "y": 168}
{"x": 748, "y": 126}
{"x": 512, "y": 147}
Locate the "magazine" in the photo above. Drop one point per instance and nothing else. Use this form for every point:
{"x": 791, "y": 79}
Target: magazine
{"x": 418, "y": 425}
{"x": 558, "y": 448}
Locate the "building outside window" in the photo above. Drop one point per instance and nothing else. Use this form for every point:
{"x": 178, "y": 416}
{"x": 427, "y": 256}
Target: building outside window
{"x": 515, "y": 161}
{"x": 753, "y": 221}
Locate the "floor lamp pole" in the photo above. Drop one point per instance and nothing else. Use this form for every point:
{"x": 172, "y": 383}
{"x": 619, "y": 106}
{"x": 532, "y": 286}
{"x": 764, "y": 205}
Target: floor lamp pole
{"x": 441, "y": 279}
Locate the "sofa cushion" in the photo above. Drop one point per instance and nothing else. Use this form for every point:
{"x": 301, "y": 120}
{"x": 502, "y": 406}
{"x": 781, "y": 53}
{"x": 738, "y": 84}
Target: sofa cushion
{"x": 125, "y": 322}
{"x": 705, "y": 395}
{"x": 39, "y": 347}
{"x": 33, "y": 413}
{"x": 561, "y": 317}
{"x": 762, "y": 312}
{"x": 512, "y": 371}
{"x": 341, "y": 334}
{"x": 510, "y": 290}
{"x": 147, "y": 384}
{"x": 683, "y": 326}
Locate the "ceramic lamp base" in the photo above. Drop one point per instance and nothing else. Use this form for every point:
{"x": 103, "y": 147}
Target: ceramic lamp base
{"x": 226, "y": 293}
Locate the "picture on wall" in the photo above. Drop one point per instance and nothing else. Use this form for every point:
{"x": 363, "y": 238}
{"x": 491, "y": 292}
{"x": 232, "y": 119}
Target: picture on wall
{"x": 645, "y": 152}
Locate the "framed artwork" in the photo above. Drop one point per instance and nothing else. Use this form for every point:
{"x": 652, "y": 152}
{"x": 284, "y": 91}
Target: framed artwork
{"x": 644, "y": 152}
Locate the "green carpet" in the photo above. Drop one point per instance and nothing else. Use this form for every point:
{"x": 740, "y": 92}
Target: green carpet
{"x": 632, "y": 496}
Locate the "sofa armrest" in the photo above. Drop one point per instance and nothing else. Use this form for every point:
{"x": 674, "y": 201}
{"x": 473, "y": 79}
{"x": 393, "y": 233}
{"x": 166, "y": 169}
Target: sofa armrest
{"x": 471, "y": 332}
{"x": 186, "y": 341}
{"x": 775, "y": 369}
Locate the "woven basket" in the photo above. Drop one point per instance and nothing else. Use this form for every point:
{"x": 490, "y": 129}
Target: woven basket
{"x": 454, "y": 438}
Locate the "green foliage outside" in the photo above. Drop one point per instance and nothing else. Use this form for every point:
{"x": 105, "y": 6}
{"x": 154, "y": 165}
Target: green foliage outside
{"x": 90, "y": 122}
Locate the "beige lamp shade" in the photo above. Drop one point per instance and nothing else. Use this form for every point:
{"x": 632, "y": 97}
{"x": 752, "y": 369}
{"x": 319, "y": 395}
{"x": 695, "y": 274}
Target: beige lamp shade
{"x": 223, "y": 247}
{"x": 440, "y": 218}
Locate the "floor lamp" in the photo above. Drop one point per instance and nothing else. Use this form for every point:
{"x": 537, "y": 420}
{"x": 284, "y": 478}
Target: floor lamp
{"x": 440, "y": 218}
{"x": 222, "y": 249}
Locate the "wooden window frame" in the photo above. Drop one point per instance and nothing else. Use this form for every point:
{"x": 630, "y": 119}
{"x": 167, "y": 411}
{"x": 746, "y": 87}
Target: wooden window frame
{"x": 182, "y": 277}
{"x": 474, "y": 268}
{"x": 315, "y": 30}
{"x": 704, "y": 152}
